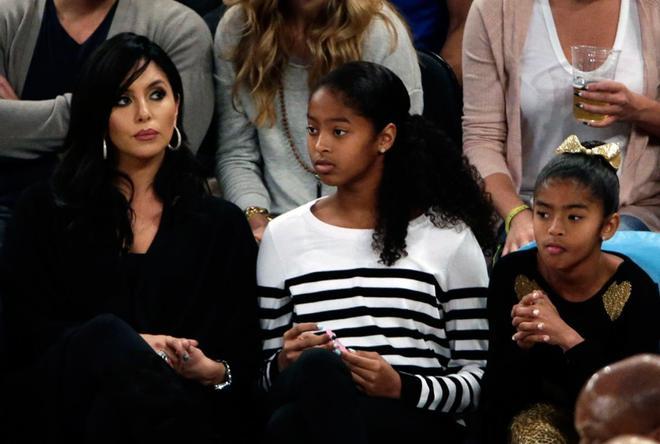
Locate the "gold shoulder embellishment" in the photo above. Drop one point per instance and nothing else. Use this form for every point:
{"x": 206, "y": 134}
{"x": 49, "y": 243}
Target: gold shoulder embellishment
{"x": 524, "y": 286}
{"x": 615, "y": 298}
{"x": 540, "y": 424}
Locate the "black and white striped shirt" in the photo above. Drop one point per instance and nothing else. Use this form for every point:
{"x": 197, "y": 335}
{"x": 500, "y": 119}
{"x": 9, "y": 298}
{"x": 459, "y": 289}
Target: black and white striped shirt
{"x": 426, "y": 315}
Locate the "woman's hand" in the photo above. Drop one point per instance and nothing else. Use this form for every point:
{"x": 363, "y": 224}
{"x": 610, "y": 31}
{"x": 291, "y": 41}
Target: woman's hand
{"x": 373, "y": 374}
{"x": 6, "y": 90}
{"x": 537, "y": 320}
{"x": 297, "y": 340}
{"x": 620, "y": 104}
{"x": 175, "y": 351}
{"x": 201, "y": 368}
{"x": 258, "y": 223}
{"x": 521, "y": 232}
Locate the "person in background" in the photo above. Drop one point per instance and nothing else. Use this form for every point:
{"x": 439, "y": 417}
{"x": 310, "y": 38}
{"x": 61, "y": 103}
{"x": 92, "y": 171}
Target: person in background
{"x": 563, "y": 309}
{"x": 621, "y": 399}
{"x": 518, "y": 99}
{"x": 391, "y": 263}
{"x": 268, "y": 53}
{"x": 43, "y": 45}
{"x": 437, "y": 26}
{"x": 129, "y": 292}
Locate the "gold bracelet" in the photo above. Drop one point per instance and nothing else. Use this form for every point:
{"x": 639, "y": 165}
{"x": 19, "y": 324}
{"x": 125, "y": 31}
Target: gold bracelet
{"x": 251, "y": 211}
{"x": 513, "y": 213}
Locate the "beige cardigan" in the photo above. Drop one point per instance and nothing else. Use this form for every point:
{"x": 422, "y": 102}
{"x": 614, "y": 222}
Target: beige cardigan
{"x": 494, "y": 38}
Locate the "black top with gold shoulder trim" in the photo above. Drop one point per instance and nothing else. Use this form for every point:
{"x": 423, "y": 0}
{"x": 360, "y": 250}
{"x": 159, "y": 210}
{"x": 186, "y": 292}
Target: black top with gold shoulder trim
{"x": 619, "y": 320}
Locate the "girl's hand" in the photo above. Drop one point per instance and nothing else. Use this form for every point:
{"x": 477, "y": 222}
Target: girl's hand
{"x": 172, "y": 350}
{"x": 6, "y": 90}
{"x": 373, "y": 374}
{"x": 521, "y": 232}
{"x": 621, "y": 104}
{"x": 537, "y": 320}
{"x": 297, "y": 340}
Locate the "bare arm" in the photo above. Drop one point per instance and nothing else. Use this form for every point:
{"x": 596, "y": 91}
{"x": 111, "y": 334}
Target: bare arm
{"x": 452, "y": 49}
{"x": 506, "y": 199}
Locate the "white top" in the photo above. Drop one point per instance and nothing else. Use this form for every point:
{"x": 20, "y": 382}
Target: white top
{"x": 426, "y": 314}
{"x": 547, "y": 93}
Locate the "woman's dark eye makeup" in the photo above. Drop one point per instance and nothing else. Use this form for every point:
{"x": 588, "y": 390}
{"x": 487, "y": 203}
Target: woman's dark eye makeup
{"x": 158, "y": 94}
{"x": 123, "y": 101}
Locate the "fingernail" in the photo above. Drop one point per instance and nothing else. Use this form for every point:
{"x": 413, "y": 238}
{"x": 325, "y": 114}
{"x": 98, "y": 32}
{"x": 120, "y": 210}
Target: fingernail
{"x": 319, "y": 327}
{"x": 540, "y": 326}
{"x": 186, "y": 357}
{"x": 578, "y": 93}
{"x": 337, "y": 351}
{"x": 513, "y": 338}
{"x": 536, "y": 312}
{"x": 546, "y": 338}
{"x": 585, "y": 123}
{"x": 351, "y": 350}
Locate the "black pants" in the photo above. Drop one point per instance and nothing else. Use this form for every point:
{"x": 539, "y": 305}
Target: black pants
{"x": 104, "y": 384}
{"x": 316, "y": 401}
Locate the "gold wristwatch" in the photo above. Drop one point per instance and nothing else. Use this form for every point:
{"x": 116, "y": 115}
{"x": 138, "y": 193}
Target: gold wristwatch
{"x": 251, "y": 211}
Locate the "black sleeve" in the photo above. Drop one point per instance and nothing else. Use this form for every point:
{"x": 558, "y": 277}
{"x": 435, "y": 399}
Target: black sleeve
{"x": 507, "y": 376}
{"x": 635, "y": 331}
{"x": 28, "y": 279}
{"x": 230, "y": 331}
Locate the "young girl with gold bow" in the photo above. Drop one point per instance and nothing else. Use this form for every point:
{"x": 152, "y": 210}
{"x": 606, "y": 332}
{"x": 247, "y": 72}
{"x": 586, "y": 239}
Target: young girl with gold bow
{"x": 562, "y": 310}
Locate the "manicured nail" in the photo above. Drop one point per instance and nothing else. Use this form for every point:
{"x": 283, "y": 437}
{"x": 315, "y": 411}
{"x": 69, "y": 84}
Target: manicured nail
{"x": 540, "y": 326}
{"x": 186, "y": 357}
{"x": 577, "y": 93}
{"x": 546, "y": 338}
{"x": 351, "y": 350}
{"x": 513, "y": 338}
{"x": 536, "y": 312}
{"x": 337, "y": 352}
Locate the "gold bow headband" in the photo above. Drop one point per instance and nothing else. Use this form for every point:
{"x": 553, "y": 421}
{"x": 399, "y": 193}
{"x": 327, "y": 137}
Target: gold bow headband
{"x": 610, "y": 151}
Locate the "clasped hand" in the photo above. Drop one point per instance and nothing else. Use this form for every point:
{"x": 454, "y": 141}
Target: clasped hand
{"x": 6, "y": 90}
{"x": 537, "y": 320}
{"x": 186, "y": 358}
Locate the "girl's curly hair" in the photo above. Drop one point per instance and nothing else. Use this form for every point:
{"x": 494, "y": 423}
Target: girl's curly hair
{"x": 424, "y": 172}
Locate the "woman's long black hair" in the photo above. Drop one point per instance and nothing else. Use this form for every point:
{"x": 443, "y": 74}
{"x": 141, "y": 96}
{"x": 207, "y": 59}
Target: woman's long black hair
{"x": 85, "y": 184}
{"x": 423, "y": 170}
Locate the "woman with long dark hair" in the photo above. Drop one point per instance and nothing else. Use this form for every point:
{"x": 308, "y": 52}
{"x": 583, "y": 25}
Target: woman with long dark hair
{"x": 129, "y": 290}
{"x": 387, "y": 273}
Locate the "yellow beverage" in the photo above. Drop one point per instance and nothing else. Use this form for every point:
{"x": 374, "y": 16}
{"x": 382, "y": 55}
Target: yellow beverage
{"x": 581, "y": 114}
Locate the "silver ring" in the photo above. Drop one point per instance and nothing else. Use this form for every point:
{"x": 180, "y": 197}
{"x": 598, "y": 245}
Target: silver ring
{"x": 163, "y": 355}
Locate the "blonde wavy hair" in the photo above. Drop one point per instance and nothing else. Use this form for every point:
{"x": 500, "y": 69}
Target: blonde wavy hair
{"x": 333, "y": 38}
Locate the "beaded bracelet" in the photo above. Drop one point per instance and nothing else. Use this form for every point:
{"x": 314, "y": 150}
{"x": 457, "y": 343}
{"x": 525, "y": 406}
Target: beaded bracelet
{"x": 228, "y": 379}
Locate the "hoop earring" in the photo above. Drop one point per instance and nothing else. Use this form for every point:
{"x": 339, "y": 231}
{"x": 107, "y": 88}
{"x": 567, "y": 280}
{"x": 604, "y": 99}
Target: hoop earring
{"x": 178, "y": 143}
{"x": 105, "y": 149}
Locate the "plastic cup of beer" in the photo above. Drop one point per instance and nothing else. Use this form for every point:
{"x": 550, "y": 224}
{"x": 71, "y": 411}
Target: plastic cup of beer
{"x": 591, "y": 64}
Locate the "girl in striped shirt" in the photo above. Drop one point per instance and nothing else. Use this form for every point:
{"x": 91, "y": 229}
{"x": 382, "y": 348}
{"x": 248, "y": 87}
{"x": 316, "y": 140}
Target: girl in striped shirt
{"x": 373, "y": 299}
